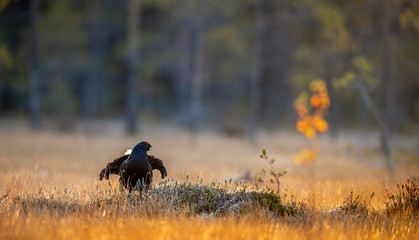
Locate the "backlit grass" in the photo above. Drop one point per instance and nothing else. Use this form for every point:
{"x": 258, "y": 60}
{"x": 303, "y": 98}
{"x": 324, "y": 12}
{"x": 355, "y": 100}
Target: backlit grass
{"x": 49, "y": 189}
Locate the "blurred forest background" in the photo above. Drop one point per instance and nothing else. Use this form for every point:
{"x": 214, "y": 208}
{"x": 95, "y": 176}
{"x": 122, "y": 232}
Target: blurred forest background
{"x": 234, "y": 66}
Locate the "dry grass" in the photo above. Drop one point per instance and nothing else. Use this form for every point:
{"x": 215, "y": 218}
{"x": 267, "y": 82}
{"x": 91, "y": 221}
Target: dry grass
{"x": 53, "y": 192}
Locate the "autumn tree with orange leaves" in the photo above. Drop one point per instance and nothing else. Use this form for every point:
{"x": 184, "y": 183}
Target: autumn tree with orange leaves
{"x": 311, "y": 108}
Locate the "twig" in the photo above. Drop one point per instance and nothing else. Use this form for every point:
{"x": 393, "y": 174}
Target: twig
{"x": 275, "y": 175}
{"x": 5, "y": 195}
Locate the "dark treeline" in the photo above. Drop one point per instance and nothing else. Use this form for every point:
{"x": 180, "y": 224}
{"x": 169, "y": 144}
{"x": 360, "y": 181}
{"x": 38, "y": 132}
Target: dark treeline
{"x": 223, "y": 63}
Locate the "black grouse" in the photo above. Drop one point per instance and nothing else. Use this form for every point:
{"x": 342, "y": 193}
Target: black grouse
{"x": 135, "y": 168}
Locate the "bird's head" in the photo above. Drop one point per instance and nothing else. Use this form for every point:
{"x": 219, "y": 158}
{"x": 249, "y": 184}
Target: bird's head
{"x": 144, "y": 146}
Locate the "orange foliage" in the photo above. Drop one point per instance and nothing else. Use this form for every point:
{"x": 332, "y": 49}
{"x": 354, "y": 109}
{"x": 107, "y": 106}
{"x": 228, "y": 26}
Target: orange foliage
{"x": 305, "y": 156}
{"x": 310, "y": 156}
{"x": 310, "y": 133}
{"x": 325, "y": 102}
{"x": 315, "y": 101}
{"x": 311, "y": 111}
{"x": 301, "y": 111}
{"x": 303, "y": 125}
{"x": 320, "y": 124}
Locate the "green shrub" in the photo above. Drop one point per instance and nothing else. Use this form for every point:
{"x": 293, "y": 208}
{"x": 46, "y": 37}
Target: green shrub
{"x": 215, "y": 199}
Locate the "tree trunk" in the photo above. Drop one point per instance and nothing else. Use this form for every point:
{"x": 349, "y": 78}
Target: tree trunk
{"x": 387, "y": 88}
{"x": 96, "y": 51}
{"x": 133, "y": 58}
{"x": 34, "y": 95}
{"x": 334, "y": 111}
{"x": 381, "y": 121}
{"x": 256, "y": 70}
{"x": 277, "y": 63}
{"x": 183, "y": 69}
{"x": 198, "y": 70}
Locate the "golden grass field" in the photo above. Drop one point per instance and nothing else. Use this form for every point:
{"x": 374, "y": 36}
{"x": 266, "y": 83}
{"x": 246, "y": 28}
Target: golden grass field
{"x": 49, "y": 187}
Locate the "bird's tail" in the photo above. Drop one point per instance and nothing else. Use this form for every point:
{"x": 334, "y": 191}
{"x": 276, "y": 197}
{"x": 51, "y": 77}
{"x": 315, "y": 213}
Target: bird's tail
{"x": 112, "y": 167}
{"x": 157, "y": 164}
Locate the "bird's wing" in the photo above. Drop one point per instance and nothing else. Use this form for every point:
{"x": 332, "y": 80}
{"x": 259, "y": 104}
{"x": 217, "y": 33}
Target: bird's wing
{"x": 157, "y": 164}
{"x": 112, "y": 167}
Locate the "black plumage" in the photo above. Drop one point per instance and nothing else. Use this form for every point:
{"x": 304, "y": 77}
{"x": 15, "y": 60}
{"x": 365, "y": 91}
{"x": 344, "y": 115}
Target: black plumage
{"x": 135, "y": 169}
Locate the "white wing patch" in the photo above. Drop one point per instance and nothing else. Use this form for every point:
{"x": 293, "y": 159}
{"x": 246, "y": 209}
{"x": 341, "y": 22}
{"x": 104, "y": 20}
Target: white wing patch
{"x": 128, "y": 152}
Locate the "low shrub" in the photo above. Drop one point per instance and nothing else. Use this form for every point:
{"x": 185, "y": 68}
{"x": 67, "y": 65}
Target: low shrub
{"x": 406, "y": 200}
